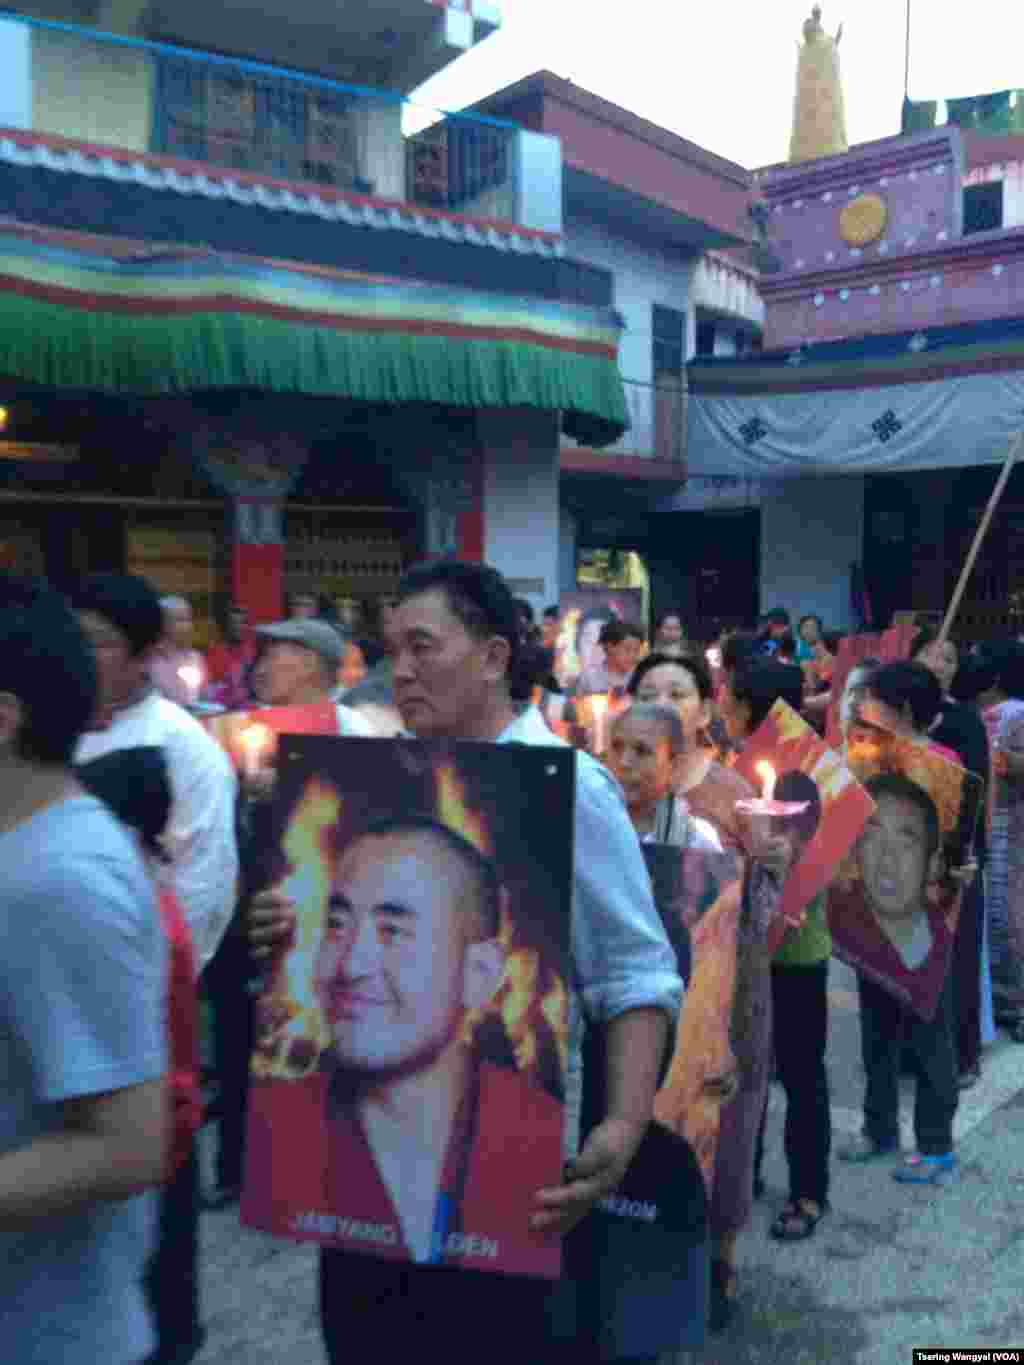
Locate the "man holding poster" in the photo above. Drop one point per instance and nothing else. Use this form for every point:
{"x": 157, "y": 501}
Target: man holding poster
{"x": 462, "y": 671}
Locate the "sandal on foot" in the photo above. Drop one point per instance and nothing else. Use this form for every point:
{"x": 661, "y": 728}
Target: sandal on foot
{"x": 797, "y": 1220}
{"x": 722, "y": 1308}
{"x": 919, "y": 1169}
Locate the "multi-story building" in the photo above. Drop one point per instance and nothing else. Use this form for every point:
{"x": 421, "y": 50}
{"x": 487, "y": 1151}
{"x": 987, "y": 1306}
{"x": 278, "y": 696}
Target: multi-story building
{"x": 669, "y": 222}
{"x": 267, "y": 326}
{"x": 870, "y": 428}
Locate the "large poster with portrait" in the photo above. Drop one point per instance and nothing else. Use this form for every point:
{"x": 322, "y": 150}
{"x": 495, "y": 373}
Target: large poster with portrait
{"x": 408, "y": 1080}
{"x": 699, "y": 894}
{"x": 583, "y": 614}
{"x": 894, "y": 904}
{"x": 820, "y": 807}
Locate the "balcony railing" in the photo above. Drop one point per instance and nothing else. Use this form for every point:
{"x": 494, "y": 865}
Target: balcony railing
{"x": 657, "y": 419}
{"x": 267, "y": 120}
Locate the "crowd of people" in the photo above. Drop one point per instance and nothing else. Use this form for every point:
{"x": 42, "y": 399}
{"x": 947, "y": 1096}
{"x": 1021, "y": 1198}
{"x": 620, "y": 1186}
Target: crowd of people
{"x": 128, "y": 900}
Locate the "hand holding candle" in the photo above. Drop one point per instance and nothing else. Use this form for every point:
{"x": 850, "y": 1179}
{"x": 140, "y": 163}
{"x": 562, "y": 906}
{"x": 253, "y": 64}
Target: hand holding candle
{"x": 766, "y": 803}
{"x": 191, "y": 677}
{"x": 255, "y": 742}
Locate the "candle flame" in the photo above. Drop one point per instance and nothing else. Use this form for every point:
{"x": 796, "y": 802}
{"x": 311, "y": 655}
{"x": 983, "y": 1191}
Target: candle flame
{"x": 191, "y": 675}
{"x": 766, "y": 773}
{"x": 255, "y": 740}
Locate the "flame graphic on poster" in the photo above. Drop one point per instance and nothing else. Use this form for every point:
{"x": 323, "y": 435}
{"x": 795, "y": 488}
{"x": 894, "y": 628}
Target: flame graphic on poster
{"x": 292, "y": 1033}
{"x": 532, "y": 1002}
{"x": 454, "y": 810}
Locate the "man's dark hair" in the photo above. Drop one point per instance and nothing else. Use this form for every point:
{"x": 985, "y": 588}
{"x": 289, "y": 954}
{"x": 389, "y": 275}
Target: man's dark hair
{"x": 761, "y": 683}
{"x": 48, "y": 664}
{"x": 798, "y": 786}
{"x": 832, "y": 640}
{"x": 616, "y": 632}
{"x": 901, "y": 788}
{"x": 738, "y": 648}
{"x": 482, "y": 600}
{"x": 691, "y": 663}
{"x": 903, "y": 684}
{"x": 551, "y": 613}
{"x": 136, "y": 785}
{"x": 778, "y": 616}
{"x": 127, "y": 602}
{"x": 482, "y": 868}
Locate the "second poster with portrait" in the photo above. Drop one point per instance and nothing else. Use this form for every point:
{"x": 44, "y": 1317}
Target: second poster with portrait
{"x": 895, "y": 902}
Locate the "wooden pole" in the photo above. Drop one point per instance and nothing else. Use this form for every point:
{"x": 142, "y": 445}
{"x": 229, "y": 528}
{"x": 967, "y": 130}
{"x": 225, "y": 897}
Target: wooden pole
{"x": 993, "y": 503}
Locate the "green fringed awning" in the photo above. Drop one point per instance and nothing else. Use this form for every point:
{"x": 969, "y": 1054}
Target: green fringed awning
{"x": 85, "y": 314}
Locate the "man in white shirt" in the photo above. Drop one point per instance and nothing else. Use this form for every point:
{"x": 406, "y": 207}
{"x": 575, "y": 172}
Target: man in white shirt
{"x": 123, "y": 619}
{"x": 461, "y": 671}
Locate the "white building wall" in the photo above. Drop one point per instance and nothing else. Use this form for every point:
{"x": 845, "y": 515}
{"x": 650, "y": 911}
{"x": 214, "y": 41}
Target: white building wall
{"x": 521, "y": 515}
{"x": 812, "y": 530}
{"x": 15, "y": 75}
{"x": 644, "y": 276}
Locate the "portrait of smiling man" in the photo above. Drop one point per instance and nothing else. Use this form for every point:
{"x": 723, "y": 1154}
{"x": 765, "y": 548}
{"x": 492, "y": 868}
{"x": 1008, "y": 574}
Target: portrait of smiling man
{"x": 410, "y": 947}
{"x": 397, "y": 1126}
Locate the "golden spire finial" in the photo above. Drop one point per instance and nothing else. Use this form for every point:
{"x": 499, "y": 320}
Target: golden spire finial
{"x": 819, "y": 116}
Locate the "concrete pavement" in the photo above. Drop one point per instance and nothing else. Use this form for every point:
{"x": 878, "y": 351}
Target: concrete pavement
{"x": 889, "y": 1268}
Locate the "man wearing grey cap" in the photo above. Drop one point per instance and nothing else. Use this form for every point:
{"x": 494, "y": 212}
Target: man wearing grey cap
{"x": 298, "y": 665}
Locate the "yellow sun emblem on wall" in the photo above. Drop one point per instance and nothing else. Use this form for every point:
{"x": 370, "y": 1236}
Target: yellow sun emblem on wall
{"x": 863, "y": 220}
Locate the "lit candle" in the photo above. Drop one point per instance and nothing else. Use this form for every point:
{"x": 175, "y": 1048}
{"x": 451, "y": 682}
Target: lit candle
{"x": 191, "y": 676}
{"x": 714, "y": 658}
{"x": 254, "y": 740}
{"x": 766, "y": 773}
{"x": 599, "y": 711}
{"x": 766, "y": 804}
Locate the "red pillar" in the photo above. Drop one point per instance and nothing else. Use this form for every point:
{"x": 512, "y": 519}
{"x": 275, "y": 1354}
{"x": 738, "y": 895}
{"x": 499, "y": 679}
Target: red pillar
{"x": 471, "y": 524}
{"x": 257, "y": 559}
